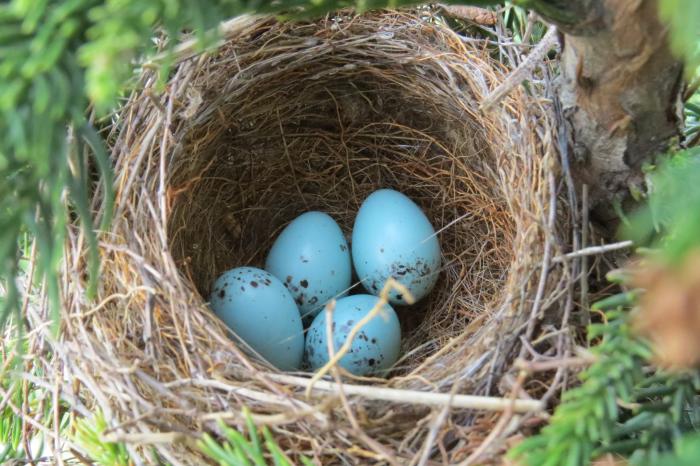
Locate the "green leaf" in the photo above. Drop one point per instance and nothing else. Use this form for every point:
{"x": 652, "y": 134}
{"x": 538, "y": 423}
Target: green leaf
{"x": 683, "y": 16}
{"x": 667, "y": 222}
{"x": 237, "y": 450}
{"x": 257, "y": 453}
{"x": 88, "y": 435}
{"x": 277, "y": 455}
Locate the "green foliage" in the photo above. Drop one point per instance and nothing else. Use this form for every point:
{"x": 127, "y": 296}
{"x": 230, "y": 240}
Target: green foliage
{"x": 587, "y": 417}
{"x": 120, "y": 30}
{"x": 683, "y": 16}
{"x": 88, "y": 435}
{"x": 686, "y": 452}
{"x": 515, "y": 18}
{"x": 671, "y": 218}
{"x": 556, "y": 10}
{"x": 692, "y": 116}
{"x": 12, "y": 428}
{"x": 620, "y": 407}
{"x": 31, "y": 128}
{"x": 239, "y": 450}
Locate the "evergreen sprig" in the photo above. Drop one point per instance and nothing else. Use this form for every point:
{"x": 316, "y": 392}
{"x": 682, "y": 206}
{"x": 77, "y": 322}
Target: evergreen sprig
{"x": 587, "y": 417}
{"x": 621, "y": 406}
{"x": 683, "y": 16}
{"x": 670, "y": 220}
{"x": 235, "y": 449}
{"x": 88, "y": 435}
{"x": 17, "y": 394}
{"x": 686, "y": 452}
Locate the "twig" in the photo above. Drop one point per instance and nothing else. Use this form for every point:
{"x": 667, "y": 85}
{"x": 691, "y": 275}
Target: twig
{"x": 143, "y": 437}
{"x": 79, "y": 456}
{"x": 583, "y": 278}
{"x": 594, "y": 250}
{"x": 473, "y": 14}
{"x": 37, "y": 425}
{"x": 396, "y": 395}
{"x": 551, "y": 217}
{"x": 523, "y": 71}
{"x": 381, "y": 451}
{"x": 695, "y": 140}
{"x": 25, "y": 424}
{"x": 541, "y": 366}
{"x": 381, "y": 302}
{"x": 531, "y": 20}
{"x": 56, "y": 402}
{"x": 188, "y": 47}
{"x": 692, "y": 88}
{"x": 433, "y": 432}
{"x": 500, "y": 426}
{"x": 269, "y": 419}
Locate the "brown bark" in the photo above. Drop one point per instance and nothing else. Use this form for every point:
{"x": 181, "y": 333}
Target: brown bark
{"x": 471, "y": 14}
{"x": 620, "y": 91}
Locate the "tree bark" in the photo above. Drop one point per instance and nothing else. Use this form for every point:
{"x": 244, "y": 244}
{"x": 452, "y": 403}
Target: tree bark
{"x": 621, "y": 95}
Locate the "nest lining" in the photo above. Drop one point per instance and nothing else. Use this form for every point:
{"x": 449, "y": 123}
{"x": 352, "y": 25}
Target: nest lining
{"x": 287, "y": 118}
{"x": 325, "y": 144}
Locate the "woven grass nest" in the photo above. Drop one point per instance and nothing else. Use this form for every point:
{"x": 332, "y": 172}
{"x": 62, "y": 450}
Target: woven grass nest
{"x": 291, "y": 117}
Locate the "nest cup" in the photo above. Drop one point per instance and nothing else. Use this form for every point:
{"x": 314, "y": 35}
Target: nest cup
{"x": 283, "y": 119}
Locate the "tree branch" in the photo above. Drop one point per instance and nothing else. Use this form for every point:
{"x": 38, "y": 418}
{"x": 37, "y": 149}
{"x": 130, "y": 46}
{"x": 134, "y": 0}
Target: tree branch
{"x": 620, "y": 88}
{"x": 573, "y": 17}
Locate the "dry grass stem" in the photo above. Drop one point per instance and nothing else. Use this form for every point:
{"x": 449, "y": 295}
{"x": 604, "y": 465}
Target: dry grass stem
{"x": 390, "y": 285}
{"x": 595, "y": 250}
{"x": 487, "y": 403}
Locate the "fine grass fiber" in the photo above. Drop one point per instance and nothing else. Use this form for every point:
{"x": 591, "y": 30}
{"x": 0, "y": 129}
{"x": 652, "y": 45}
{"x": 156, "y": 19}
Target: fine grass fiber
{"x": 288, "y": 117}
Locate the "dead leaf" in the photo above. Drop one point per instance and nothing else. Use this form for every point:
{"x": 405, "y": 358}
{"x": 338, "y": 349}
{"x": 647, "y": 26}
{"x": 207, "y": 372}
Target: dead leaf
{"x": 472, "y": 14}
{"x": 670, "y": 311}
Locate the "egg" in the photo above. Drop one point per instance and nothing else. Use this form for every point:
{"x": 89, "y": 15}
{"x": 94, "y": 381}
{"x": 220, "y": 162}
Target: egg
{"x": 392, "y": 237}
{"x": 374, "y": 349}
{"x": 258, "y": 308}
{"x": 312, "y": 258}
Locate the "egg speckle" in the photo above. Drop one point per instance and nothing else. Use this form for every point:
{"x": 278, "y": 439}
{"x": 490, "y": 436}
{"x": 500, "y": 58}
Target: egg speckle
{"x": 375, "y": 348}
{"x": 263, "y": 315}
{"x": 307, "y": 256}
{"x": 392, "y": 237}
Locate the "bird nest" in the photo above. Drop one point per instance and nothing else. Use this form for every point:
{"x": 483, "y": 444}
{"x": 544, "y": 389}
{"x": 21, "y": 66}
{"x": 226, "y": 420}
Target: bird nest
{"x": 288, "y": 117}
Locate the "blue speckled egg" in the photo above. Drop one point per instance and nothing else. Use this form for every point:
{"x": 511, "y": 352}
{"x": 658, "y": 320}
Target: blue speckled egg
{"x": 392, "y": 237}
{"x": 311, "y": 257}
{"x": 374, "y": 349}
{"x": 261, "y": 311}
